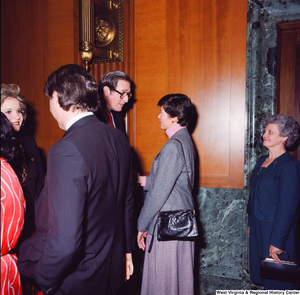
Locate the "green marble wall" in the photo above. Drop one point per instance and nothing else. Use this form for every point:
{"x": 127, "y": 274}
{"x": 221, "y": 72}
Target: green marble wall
{"x": 223, "y": 252}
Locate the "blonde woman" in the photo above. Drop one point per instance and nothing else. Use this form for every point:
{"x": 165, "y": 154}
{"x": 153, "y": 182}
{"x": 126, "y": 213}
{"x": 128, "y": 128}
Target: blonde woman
{"x": 27, "y": 165}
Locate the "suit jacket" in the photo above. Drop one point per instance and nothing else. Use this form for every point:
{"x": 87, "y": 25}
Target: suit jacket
{"x": 171, "y": 180}
{"x": 83, "y": 213}
{"x": 118, "y": 118}
{"x": 275, "y": 195}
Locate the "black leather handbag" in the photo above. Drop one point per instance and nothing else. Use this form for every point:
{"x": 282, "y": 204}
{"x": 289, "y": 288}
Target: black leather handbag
{"x": 177, "y": 225}
{"x": 288, "y": 271}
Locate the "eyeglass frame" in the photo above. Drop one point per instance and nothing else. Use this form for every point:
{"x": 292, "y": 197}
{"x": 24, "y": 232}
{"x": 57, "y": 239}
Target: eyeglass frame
{"x": 129, "y": 94}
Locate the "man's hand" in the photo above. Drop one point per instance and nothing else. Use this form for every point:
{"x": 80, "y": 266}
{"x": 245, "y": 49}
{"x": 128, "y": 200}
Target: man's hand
{"x": 128, "y": 266}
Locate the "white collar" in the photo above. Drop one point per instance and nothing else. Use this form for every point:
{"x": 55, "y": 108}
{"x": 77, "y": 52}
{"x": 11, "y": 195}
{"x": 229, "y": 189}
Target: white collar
{"x": 76, "y": 118}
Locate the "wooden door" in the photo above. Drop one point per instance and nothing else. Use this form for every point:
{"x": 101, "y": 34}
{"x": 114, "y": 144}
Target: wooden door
{"x": 198, "y": 48}
{"x": 288, "y": 72}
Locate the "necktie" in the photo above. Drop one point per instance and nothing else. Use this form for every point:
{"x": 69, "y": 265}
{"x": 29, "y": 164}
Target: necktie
{"x": 110, "y": 122}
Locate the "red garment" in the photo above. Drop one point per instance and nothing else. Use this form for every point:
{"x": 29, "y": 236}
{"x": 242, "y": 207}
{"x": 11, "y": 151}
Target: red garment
{"x": 13, "y": 208}
{"x": 110, "y": 121}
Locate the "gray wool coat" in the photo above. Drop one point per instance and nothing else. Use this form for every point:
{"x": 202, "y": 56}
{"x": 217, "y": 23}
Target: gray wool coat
{"x": 170, "y": 184}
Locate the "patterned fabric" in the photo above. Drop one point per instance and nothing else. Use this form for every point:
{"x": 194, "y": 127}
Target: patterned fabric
{"x": 13, "y": 207}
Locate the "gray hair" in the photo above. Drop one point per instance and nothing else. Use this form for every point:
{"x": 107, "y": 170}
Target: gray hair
{"x": 287, "y": 126}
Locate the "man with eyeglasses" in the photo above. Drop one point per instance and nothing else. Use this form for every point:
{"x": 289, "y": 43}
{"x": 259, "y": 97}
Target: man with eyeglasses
{"x": 115, "y": 91}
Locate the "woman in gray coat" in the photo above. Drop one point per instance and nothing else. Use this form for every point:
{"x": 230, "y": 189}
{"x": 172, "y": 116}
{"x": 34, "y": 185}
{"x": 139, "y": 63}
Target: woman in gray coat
{"x": 168, "y": 268}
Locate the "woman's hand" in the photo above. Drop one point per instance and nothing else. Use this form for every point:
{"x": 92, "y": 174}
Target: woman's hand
{"x": 274, "y": 252}
{"x": 128, "y": 266}
{"x": 141, "y": 239}
{"x": 248, "y": 231}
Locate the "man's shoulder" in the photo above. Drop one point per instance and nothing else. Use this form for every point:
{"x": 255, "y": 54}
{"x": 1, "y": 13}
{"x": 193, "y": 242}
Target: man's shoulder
{"x": 89, "y": 128}
{"x": 85, "y": 124}
{"x": 100, "y": 115}
{"x": 119, "y": 120}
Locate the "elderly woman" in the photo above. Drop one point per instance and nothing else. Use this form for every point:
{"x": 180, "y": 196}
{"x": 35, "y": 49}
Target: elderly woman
{"x": 28, "y": 165}
{"x": 168, "y": 268}
{"x": 274, "y": 199}
{"x": 12, "y": 211}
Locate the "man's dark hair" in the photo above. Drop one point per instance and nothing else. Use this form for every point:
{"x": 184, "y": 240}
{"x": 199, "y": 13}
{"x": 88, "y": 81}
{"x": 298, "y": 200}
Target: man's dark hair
{"x": 75, "y": 88}
{"x": 111, "y": 79}
{"x": 10, "y": 146}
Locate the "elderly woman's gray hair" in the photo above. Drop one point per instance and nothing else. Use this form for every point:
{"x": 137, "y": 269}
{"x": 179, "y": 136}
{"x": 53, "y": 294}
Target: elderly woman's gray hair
{"x": 13, "y": 90}
{"x": 287, "y": 126}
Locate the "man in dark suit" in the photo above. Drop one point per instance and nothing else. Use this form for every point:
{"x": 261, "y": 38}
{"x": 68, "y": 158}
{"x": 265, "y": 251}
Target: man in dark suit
{"x": 84, "y": 211}
{"x": 115, "y": 91}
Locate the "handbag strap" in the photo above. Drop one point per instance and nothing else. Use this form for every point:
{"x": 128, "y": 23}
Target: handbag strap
{"x": 152, "y": 239}
{"x": 187, "y": 174}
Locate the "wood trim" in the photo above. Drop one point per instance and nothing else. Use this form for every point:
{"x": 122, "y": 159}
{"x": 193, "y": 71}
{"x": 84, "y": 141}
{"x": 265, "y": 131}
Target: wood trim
{"x": 288, "y": 26}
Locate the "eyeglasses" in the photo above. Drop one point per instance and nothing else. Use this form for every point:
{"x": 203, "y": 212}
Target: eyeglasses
{"x": 122, "y": 94}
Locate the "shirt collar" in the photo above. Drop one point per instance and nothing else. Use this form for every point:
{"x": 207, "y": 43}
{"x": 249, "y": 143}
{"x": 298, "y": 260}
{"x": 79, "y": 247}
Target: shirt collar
{"x": 76, "y": 118}
{"x": 171, "y": 131}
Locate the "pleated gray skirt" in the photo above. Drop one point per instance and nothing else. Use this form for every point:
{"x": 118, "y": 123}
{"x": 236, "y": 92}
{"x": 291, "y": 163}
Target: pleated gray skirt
{"x": 168, "y": 268}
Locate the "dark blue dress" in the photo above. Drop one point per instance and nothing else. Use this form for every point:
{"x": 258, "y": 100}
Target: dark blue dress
{"x": 273, "y": 208}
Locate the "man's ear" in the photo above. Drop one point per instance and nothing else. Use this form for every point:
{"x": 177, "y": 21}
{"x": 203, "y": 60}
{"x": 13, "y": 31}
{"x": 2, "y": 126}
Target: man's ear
{"x": 106, "y": 91}
{"x": 55, "y": 97}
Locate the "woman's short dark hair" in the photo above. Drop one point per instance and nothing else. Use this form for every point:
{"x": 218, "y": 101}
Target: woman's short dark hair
{"x": 10, "y": 145}
{"x": 178, "y": 105}
{"x": 287, "y": 126}
{"x": 74, "y": 87}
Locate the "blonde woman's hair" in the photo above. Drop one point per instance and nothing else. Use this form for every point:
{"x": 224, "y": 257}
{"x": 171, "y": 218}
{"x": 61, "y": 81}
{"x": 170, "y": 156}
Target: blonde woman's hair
{"x": 13, "y": 90}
